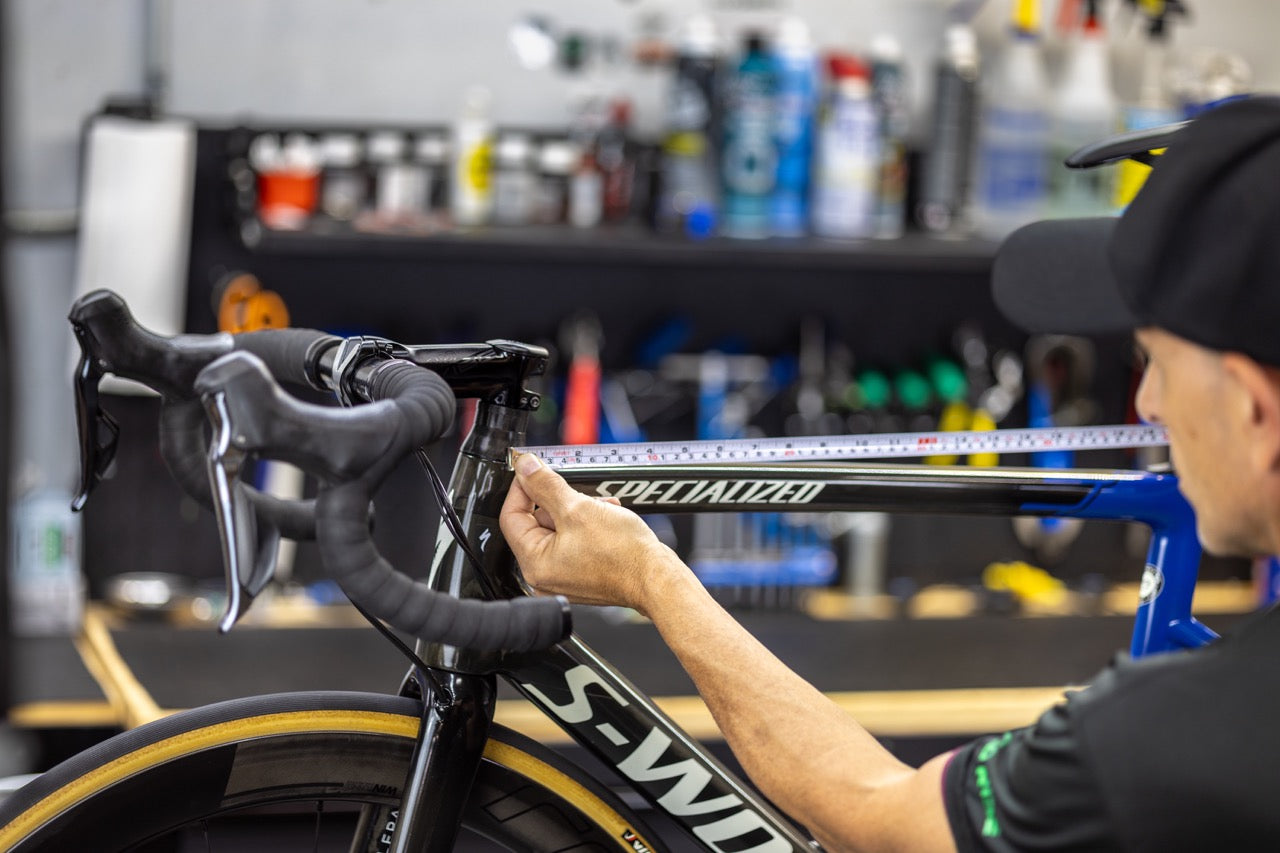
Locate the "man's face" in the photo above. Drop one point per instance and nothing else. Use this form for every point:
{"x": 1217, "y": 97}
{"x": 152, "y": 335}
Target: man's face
{"x": 1185, "y": 388}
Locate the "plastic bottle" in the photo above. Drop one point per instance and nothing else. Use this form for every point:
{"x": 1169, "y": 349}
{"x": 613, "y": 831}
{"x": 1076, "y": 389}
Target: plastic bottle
{"x": 344, "y": 184}
{"x": 689, "y": 169}
{"x": 1085, "y": 110}
{"x": 616, "y": 162}
{"x": 514, "y": 182}
{"x": 471, "y": 200}
{"x": 586, "y": 191}
{"x": 748, "y": 164}
{"x": 556, "y": 161}
{"x": 47, "y": 585}
{"x": 948, "y": 164}
{"x": 400, "y": 183}
{"x": 586, "y": 182}
{"x": 432, "y": 152}
{"x": 889, "y": 92}
{"x": 847, "y": 160}
{"x": 796, "y": 65}
{"x": 1011, "y": 186}
{"x": 1154, "y": 105}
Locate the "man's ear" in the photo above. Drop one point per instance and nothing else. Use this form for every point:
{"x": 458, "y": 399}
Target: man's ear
{"x": 1259, "y": 386}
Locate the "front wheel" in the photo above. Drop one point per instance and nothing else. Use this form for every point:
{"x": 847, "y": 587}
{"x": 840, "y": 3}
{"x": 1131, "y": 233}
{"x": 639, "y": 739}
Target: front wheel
{"x": 320, "y": 763}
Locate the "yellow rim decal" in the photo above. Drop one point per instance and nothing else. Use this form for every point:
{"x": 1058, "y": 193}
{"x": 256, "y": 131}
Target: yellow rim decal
{"x": 221, "y": 734}
{"x": 572, "y": 790}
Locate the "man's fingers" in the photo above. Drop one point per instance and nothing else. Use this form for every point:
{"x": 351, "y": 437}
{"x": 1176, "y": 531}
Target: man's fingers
{"x": 517, "y": 515}
{"x": 547, "y": 488}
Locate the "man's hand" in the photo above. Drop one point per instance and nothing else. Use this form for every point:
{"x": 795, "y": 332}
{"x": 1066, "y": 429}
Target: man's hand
{"x": 593, "y": 551}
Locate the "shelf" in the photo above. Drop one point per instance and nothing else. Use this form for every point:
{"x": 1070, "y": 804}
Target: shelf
{"x": 629, "y": 245}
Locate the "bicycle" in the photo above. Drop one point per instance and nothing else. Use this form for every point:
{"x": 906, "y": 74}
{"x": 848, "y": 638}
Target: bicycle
{"x": 407, "y": 771}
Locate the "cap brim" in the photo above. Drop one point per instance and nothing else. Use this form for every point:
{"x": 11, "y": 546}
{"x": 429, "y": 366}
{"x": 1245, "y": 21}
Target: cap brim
{"x": 1054, "y": 277}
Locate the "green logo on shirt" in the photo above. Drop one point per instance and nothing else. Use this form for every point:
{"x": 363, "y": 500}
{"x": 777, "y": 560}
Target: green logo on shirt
{"x": 991, "y": 825}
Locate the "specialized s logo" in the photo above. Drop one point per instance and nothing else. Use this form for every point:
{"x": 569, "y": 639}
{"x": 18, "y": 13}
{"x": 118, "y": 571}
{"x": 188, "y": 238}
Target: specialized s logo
{"x": 677, "y": 492}
{"x": 1152, "y": 584}
{"x": 682, "y": 785}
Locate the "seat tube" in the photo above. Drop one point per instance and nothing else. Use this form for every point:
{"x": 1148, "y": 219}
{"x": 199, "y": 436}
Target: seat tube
{"x": 1163, "y": 621}
{"x": 1164, "y": 596}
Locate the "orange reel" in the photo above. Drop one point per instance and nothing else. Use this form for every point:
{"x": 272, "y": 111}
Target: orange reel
{"x": 244, "y": 306}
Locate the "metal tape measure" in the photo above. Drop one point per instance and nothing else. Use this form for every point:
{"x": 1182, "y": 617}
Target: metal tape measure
{"x": 847, "y": 447}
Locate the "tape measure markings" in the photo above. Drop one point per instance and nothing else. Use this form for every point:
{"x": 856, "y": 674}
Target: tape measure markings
{"x": 851, "y": 447}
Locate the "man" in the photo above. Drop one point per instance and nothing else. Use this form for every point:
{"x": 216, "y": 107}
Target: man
{"x": 1176, "y": 752}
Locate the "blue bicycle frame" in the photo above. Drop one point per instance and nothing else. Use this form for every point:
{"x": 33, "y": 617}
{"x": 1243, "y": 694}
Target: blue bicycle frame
{"x": 1163, "y": 621}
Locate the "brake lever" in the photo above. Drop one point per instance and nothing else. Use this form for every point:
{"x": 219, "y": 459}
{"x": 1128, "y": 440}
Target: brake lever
{"x": 112, "y": 341}
{"x": 92, "y": 424}
{"x": 252, "y": 417}
{"x": 249, "y": 543}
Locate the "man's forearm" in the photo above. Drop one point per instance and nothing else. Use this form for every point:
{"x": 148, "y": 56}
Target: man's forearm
{"x": 802, "y": 750}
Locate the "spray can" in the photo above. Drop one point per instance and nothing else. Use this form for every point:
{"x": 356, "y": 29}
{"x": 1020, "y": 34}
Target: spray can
{"x": 888, "y": 90}
{"x": 749, "y": 158}
{"x": 1013, "y": 140}
{"x": 688, "y": 170}
{"x": 796, "y": 66}
{"x": 948, "y": 165}
{"x": 616, "y": 160}
{"x": 848, "y": 154}
{"x": 471, "y": 200}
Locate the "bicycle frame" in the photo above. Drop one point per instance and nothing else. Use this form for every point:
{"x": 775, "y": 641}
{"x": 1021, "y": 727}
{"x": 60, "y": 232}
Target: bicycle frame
{"x": 617, "y": 723}
{"x": 594, "y": 703}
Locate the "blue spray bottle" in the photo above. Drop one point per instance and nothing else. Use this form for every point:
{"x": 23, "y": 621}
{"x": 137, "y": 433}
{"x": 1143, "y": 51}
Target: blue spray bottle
{"x": 749, "y": 161}
{"x": 796, "y": 64}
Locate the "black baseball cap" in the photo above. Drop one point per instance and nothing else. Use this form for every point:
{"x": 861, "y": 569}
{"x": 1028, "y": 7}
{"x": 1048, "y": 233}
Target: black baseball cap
{"x": 1196, "y": 253}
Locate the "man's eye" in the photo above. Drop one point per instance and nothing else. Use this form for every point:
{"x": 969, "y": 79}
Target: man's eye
{"x": 1140, "y": 356}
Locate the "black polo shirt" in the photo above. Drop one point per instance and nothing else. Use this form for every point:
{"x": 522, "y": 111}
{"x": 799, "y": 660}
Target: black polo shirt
{"x": 1177, "y": 751}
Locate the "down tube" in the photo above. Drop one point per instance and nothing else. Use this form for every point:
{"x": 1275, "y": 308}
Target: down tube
{"x": 605, "y": 713}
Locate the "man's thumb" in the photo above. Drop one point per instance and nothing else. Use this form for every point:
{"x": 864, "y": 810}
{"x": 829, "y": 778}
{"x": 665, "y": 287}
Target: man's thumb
{"x": 546, "y": 487}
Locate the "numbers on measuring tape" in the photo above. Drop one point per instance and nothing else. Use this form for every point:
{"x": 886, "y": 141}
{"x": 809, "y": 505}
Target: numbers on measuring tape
{"x": 853, "y": 447}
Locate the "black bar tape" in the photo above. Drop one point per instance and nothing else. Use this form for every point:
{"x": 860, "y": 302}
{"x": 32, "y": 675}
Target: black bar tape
{"x": 425, "y": 399}
{"x": 285, "y": 351}
{"x": 183, "y": 445}
{"x": 424, "y": 405}
{"x": 427, "y": 404}
{"x": 518, "y": 625}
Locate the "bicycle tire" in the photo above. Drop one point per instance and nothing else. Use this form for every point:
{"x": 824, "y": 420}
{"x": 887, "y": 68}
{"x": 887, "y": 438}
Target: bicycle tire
{"x": 272, "y": 751}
